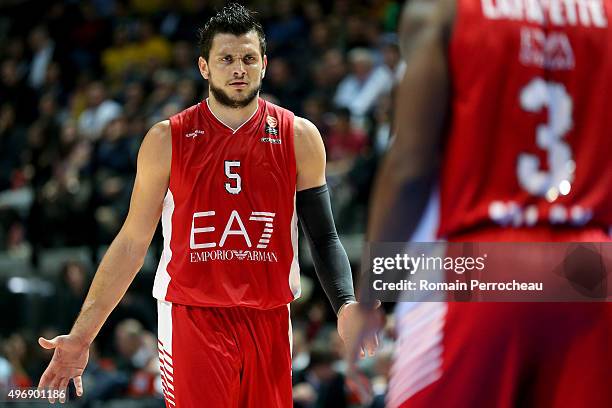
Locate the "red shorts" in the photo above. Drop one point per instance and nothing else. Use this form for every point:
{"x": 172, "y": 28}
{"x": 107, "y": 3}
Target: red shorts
{"x": 225, "y": 357}
{"x": 503, "y": 355}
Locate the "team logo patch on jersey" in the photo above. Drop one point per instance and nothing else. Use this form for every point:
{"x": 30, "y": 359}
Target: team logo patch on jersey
{"x": 271, "y": 120}
{"x": 195, "y": 134}
{"x": 271, "y": 126}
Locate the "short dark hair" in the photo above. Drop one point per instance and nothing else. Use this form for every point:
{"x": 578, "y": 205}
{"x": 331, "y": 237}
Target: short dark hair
{"x": 233, "y": 19}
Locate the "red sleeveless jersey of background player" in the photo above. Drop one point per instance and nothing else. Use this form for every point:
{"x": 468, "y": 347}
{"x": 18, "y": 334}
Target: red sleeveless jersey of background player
{"x": 531, "y": 131}
{"x": 229, "y": 220}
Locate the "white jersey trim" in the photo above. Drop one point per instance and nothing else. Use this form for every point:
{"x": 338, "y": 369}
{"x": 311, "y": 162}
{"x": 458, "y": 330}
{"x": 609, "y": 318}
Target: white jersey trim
{"x": 164, "y": 345}
{"x": 418, "y": 354}
{"x": 294, "y": 272}
{"x": 227, "y": 126}
{"x": 162, "y": 277}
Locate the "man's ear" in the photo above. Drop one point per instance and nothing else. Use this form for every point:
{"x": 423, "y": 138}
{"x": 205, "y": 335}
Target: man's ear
{"x": 265, "y": 65}
{"x": 203, "y": 68}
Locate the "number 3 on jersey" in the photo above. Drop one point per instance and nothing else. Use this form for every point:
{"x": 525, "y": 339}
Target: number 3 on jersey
{"x": 233, "y": 186}
{"x": 539, "y": 94}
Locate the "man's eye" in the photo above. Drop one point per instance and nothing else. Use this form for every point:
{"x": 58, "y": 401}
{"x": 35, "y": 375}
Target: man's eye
{"x": 227, "y": 59}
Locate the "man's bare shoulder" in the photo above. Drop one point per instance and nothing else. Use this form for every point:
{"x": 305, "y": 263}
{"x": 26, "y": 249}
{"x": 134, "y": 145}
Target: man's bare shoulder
{"x": 303, "y": 126}
{"x": 156, "y": 147}
{"x": 309, "y": 154}
{"x": 420, "y": 15}
{"x": 307, "y": 137}
{"x": 160, "y": 132}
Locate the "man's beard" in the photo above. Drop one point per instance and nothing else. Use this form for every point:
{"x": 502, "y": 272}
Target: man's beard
{"x": 224, "y": 99}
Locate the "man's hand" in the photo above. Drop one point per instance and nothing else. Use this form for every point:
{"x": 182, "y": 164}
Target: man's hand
{"x": 69, "y": 360}
{"x": 358, "y": 329}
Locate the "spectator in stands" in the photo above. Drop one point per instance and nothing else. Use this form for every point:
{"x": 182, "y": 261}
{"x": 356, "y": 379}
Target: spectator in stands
{"x": 14, "y": 90}
{"x": 282, "y": 82}
{"x": 391, "y": 56}
{"x": 164, "y": 87}
{"x": 42, "y": 47}
{"x": 15, "y": 349}
{"x": 344, "y": 141}
{"x": 113, "y": 165}
{"x": 14, "y": 50}
{"x": 315, "y": 108}
{"x": 6, "y": 374}
{"x": 359, "y": 32}
{"x": 320, "y": 385}
{"x": 183, "y": 61}
{"x": 138, "y": 357}
{"x": 60, "y": 215}
{"x": 284, "y": 31}
{"x": 71, "y": 291}
{"x": 133, "y": 98}
{"x": 154, "y": 51}
{"x": 333, "y": 70}
{"x": 360, "y": 90}
{"x": 121, "y": 56}
{"x": 53, "y": 85}
{"x": 12, "y": 146}
{"x": 101, "y": 110}
{"x": 186, "y": 93}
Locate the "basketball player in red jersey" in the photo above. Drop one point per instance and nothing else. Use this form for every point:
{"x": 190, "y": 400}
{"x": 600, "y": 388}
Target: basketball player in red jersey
{"x": 229, "y": 177}
{"x": 504, "y": 104}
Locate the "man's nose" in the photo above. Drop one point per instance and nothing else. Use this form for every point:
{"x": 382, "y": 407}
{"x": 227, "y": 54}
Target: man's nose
{"x": 239, "y": 70}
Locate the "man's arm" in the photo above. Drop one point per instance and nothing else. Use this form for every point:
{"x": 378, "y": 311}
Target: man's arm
{"x": 314, "y": 211}
{"x": 120, "y": 264}
{"x": 315, "y": 215}
{"x": 404, "y": 180}
{"x": 410, "y": 168}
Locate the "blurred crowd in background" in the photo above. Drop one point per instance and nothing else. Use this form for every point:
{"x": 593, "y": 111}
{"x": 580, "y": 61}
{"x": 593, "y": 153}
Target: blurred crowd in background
{"x": 81, "y": 82}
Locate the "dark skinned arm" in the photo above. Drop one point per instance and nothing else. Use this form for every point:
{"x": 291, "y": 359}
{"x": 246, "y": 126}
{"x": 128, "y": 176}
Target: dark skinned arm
{"x": 410, "y": 168}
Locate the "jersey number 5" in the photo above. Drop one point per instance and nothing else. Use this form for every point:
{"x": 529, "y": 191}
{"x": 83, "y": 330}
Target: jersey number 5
{"x": 539, "y": 94}
{"x": 233, "y": 186}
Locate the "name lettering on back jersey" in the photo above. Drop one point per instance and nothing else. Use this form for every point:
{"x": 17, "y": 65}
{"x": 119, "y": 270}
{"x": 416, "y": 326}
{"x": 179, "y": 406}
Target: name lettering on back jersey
{"x": 586, "y": 13}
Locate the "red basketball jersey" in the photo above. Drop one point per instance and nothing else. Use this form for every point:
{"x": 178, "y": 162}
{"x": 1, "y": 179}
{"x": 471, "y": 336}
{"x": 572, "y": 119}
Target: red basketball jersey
{"x": 229, "y": 220}
{"x": 530, "y": 137}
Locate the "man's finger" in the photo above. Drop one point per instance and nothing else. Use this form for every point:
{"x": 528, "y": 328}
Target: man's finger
{"x": 354, "y": 349}
{"x": 46, "y": 379}
{"x": 78, "y": 384}
{"x": 53, "y": 385}
{"x": 371, "y": 344}
{"x": 47, "y": 344}
{"x": 63, "y": 389}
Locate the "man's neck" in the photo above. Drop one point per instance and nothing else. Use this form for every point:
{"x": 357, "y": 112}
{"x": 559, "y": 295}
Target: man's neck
{"x": 232, "y": 117}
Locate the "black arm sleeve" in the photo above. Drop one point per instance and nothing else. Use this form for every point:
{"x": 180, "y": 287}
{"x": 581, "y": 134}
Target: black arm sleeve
{"x": 328, "y": 254}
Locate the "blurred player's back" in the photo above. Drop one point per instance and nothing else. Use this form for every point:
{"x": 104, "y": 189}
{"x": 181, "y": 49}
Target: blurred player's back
{"x": 529, "y": 137}
{"x": 525, "y": 158}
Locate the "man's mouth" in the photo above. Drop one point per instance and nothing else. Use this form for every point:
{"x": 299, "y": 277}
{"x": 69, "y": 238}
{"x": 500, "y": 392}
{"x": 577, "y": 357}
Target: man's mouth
{"x": 238, "y": 84}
